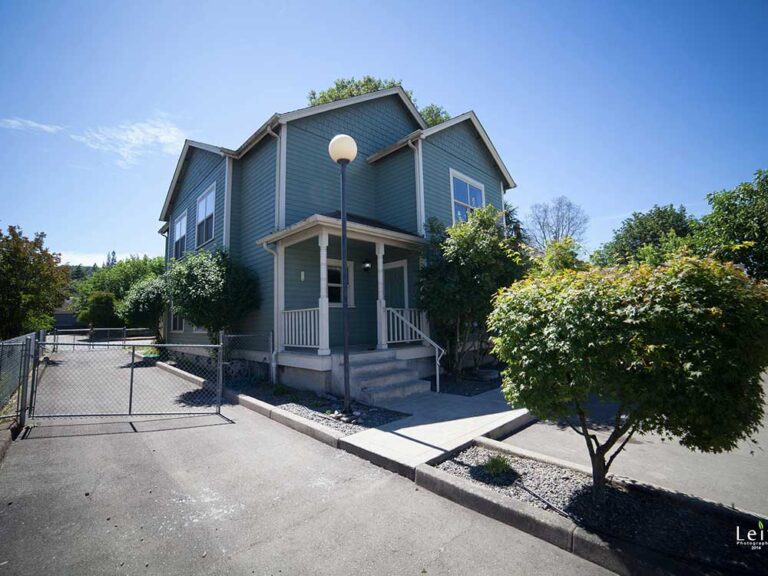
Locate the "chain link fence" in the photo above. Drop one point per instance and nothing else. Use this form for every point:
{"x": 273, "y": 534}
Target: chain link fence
{"x": 122, "y": 334}
{"x": 15, "y": 368}
{"x": 79, "y": 379}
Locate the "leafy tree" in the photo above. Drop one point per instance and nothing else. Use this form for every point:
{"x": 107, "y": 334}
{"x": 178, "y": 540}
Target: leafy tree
{"x": 737, "y": 227}
{"x": 513, "y": 223}
{"x": 211, "y": 291}
{"x": 558, "y": 255}
{"x": 678, "y": 349}
{"x": 641, "y": 229}
{"x": 101, "y": 310}
{"x": 32, "y": 283}
{"x": 145, "y": 303}
{"x": 555, "y": 220}
{"x": 434, "y": 114}
{"x": 350, "y": 87}
{"x": 464, "y": 266}
{"x": 117, "y": 279}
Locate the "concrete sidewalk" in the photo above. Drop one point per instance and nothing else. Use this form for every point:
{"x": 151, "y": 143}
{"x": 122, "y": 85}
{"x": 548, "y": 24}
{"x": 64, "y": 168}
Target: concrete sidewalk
{"x": 438, "y": 423}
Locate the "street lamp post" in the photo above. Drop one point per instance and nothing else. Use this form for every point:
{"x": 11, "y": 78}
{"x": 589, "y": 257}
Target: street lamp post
{"x": 343, "y": 150}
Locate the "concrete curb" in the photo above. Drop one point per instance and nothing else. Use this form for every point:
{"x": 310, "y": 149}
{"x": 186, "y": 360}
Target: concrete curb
{"x": 181, "y": 373}
{"x": 300, "y": 424}
{"x": 611, "y": 553}
{"x": 696, "y": 502}
{"x": 6, "y": 438}
{"x": 522, "y": 421}
{"x": 377, "y": 459}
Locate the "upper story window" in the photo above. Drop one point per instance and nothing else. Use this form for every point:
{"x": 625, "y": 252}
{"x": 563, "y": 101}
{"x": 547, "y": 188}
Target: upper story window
{"x": 177, "y": 323}
{"x": 205, "y": 212}
{"x": 334, "y": 283}
{"x": 180, "y": 236}
{"x": 466, "y": 195}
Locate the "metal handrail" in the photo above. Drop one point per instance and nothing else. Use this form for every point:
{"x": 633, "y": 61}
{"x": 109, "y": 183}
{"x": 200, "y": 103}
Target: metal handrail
{"x": 439, "y": 352}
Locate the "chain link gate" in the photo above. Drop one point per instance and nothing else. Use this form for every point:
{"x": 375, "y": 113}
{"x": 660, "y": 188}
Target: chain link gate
{"x": 87, "y": 379}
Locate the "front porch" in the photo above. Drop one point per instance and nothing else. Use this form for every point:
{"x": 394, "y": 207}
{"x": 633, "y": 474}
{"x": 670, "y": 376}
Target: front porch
{"x": 386, "y": 328}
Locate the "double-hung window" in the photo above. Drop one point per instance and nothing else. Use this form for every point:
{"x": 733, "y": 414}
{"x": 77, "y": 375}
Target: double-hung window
{"x": 467, "y": 195}
{"x": 205, "y": 213}
{"x": 180, "y": 236}
{"x": 177, "y": 323}
{"x": 334, "y": 283}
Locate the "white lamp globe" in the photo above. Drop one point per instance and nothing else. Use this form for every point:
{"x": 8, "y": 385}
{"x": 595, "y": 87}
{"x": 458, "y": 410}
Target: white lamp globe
{"x": 342, "y": 147}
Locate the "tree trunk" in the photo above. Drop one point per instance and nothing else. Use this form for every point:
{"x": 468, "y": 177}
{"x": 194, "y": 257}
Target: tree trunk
{"x": 599, "y": 471}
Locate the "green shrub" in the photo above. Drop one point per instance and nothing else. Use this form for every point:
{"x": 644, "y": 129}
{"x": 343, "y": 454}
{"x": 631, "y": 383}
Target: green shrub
{"x": 496, "y": 465}
{"x": 100, "y": 311}
{"x": 679, "y": 348}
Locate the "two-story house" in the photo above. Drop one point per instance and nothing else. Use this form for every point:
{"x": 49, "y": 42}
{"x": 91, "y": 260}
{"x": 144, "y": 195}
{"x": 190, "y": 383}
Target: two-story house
{"x": 274, "y": 202}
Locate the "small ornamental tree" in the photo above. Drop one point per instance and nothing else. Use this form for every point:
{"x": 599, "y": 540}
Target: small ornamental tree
{"x": 100, "y": 311}
{"x": 679, "y": 349}
{"x": 558, "y": 255}
{"x": 145, "y": 303}
{"x": 211, "y": 291}
{"x": 464, "y": 267}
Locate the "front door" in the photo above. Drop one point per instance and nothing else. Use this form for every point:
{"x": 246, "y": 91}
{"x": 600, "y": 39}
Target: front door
{"x": 395, "y": 290}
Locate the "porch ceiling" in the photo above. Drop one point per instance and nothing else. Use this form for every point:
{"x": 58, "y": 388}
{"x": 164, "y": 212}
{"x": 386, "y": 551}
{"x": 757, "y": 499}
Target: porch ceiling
{"x": 358, "y": 228}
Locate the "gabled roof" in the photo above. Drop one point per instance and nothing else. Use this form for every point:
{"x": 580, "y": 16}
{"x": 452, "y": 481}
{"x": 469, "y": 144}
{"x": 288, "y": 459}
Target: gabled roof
{"x": 275, "y": 120}
{"x": 427, "y": 132}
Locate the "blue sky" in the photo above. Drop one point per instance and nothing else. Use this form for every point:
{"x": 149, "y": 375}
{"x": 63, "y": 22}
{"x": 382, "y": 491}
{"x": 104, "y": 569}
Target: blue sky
{"x": 617, "y": 105}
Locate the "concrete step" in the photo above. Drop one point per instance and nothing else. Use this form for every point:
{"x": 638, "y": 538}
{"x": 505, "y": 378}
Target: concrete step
{"x": 376, "y": 367}
{"x": 377, "y": 380}
{"x": 373, "y": 396}
{"x": 362, "y": 358}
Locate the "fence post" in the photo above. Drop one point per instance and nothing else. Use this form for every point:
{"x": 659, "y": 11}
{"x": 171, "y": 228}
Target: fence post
{"x": 220, "y": 373}
{"x": 24, "y": 381}
{"x": 125, "y": 333}
{"x": 35, "y": 362}
{"x": 130, "y": 393}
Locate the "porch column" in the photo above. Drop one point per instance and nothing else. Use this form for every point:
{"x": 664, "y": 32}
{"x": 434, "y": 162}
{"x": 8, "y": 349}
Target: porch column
{"x": 324, "y": 335}
{"x": 381, "y": 305}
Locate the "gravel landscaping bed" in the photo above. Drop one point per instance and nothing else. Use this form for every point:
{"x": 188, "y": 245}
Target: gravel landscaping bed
{"x": 653, "y": 520}
{"x": 325, "y": 409}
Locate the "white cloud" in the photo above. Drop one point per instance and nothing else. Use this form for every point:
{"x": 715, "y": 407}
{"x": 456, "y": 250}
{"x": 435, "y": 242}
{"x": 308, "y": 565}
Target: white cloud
{"x": 29, "y": 125}
{"x": 131, "y": 140}
{"x": 87, "y": 258}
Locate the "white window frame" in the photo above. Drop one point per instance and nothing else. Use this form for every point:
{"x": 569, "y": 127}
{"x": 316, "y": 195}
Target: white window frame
{"x": 472, "y": 182}
{"x": 173, "y": 331}
{"x": 211, "y": 190}
{"x": 351, "y": 274}
{"x": 176, "y": 239}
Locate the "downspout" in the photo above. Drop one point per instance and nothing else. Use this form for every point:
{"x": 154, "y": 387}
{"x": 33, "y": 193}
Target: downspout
{"x": 167, "y": 237}
{"x": 275, "y": 313}
{"x": 419, "y": 188}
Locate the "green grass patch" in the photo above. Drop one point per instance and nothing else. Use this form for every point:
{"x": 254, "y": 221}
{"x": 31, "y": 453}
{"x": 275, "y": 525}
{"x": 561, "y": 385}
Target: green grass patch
{"x": 496, "y": 466}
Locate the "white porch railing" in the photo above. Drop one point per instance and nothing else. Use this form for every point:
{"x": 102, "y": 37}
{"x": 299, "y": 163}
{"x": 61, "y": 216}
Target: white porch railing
{"x": 301, "y": 328}
{"x": 407, "y": 324}
{"x": 403, "y": 325}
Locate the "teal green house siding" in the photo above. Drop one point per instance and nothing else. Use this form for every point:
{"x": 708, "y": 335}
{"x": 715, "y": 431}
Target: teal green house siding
{"x": 396, "y": 190}
{"x": 202, "y": 169}
{"x": 312, "y": 179}
{"x": 253, "y": 216}
{"x": 384, "y": 190}
{"x": 458, "y": 147}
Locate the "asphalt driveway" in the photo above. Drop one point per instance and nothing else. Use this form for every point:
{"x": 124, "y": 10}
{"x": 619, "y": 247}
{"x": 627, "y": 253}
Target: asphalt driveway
{"x": 197, "y": 495}
{"x": 734, "y": 478}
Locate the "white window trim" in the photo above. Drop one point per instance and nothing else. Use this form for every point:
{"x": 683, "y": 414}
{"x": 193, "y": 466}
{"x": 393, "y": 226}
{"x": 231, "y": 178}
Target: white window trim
{"x": 182, "y": 325}
{"x": 456, "y": 174}
{"x": 351, "y": 273}
{"x": 404, "y": 265}
{"x": 186, "y": 228}
{"x": 209, "y": 190}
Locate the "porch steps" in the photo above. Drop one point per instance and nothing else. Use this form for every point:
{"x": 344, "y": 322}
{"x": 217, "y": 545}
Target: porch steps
{"x": 380, "y": 376}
